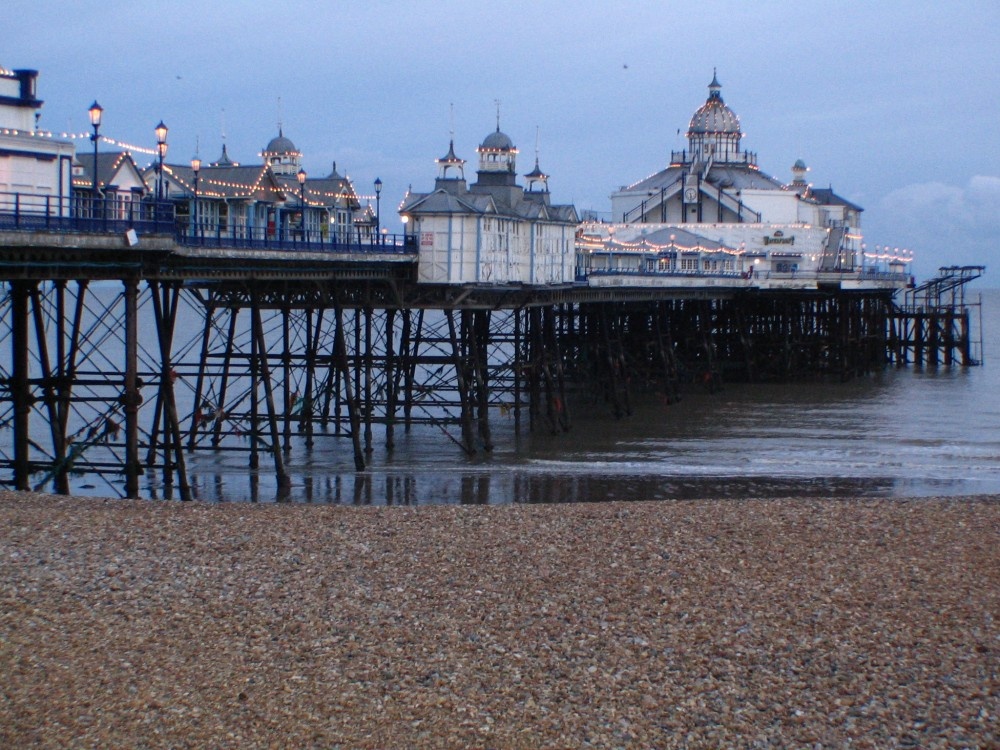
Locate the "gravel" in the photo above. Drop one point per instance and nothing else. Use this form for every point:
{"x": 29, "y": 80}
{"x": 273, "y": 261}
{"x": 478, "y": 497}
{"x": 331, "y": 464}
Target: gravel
{"x": 751, "y": 623}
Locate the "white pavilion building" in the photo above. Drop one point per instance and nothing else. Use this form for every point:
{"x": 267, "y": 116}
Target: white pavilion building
{"x": 715, "y": 191}
{"x": 493, "y": 231}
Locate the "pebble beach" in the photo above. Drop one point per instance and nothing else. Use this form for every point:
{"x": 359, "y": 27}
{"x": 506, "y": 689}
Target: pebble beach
{"x": 752, "y": 623}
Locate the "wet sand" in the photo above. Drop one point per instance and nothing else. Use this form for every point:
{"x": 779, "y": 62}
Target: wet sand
{"x": 736, "y": 623}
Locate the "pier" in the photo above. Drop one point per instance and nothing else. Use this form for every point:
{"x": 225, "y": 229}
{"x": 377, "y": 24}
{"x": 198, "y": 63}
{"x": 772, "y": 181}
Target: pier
{"x": 151, "y": 314}
{"x": 128, "y": 346}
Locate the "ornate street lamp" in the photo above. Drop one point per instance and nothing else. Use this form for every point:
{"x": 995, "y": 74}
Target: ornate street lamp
{"x": 95, "y": 112}
{"x": 378, "y": 211}
{"x": 301, "y": 177}
{"x": 195, "y": 167}
{"x": 161, "y": 149}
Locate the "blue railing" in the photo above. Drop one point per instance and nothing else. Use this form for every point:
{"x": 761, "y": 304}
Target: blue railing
{"x": 117, "y": 215}
{"x": 30, "y": 212}
{"x": 310, "y": 241}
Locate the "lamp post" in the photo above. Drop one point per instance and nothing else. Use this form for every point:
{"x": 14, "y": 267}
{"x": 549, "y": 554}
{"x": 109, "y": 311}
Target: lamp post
{"x": 195, "y": 167}
{"x": 161, "y": 149}
{"x": 378, "y": 207}
{"x": 301, "y": 177}
{"x": 95, "y": 112}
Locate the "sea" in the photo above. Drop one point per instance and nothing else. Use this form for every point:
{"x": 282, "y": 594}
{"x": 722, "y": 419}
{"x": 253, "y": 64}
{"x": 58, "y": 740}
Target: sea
{"x": 910, "y": 432}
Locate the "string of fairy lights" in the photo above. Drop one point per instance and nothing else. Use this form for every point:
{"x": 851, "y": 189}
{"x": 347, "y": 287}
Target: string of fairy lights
{"x": 214, "y": 187}
{"x": 314, "y": 196}
{"x": 80, "y": 136}
{"x": 601, "y": 243}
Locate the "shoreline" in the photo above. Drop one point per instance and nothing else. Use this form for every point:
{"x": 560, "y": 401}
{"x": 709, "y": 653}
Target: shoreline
{"x": 689, "y": 623}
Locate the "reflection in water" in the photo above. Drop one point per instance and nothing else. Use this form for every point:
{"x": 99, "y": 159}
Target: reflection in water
{"x": 899, "y": 433}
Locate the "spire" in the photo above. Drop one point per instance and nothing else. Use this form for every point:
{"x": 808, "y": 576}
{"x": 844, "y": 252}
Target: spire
{"x": 714, "y": 88}
{"x": 537, "y": 176}
{"x": 451, "y": 160}
{"x": 224, "y": 160}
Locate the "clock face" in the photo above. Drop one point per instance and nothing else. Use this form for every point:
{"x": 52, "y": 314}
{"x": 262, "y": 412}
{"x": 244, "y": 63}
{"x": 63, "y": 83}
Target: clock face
{"x": 689, "y": 195}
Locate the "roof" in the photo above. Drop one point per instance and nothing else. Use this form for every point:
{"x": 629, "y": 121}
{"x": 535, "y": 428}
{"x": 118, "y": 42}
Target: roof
{"x": 726, "y": 176}
{"x": 450, "y": 157}
{"x": 536, "y": 173}
{"x": 253, "y": 181}
{"x": 224, "y": 160}
{"x": 714, "y": 116}
{"x": 446, "y": 202}
{"x": 280, "y": 145}
{"x": 638, "y": 237}
{"x": 108, "y": 165}
{"x": 826, "y": 197}
{"x": 497, "y": 141}
{"x": 322, "y": 191}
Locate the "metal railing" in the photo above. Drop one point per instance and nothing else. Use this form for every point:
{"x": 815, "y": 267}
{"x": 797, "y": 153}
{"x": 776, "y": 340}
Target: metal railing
{"x": 294, "y": 239}
{"x": 115, "y": 215}
{"x": 111, "y": 215}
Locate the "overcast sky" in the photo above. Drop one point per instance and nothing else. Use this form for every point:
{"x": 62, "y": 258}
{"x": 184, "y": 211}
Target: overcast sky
{"x": 895, "y": 104}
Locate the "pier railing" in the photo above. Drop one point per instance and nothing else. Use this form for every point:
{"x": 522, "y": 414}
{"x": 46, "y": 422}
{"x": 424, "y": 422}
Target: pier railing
{"x": 105, "y": 215}
{"x": 117, "y": 214}
{"x": 262, "y": 238}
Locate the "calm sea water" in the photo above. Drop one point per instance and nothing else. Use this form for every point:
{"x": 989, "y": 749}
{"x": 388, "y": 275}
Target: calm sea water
{"x": 900, "y": 433}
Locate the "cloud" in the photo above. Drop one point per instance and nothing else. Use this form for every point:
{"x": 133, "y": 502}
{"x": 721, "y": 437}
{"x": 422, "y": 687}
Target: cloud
{"x": 944, "y": 224}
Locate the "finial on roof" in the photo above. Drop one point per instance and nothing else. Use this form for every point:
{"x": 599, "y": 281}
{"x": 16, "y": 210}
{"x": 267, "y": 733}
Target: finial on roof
{"x": 714, "y": 87}
{"x": 497, "y": 102}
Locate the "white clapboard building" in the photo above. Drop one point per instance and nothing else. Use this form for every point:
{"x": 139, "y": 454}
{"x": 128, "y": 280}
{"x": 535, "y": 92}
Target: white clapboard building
{"x": 35, "y": 169}
{"x": 493, "y": 231}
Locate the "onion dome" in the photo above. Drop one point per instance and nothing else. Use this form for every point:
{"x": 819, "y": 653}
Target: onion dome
{"x": 714, "y": 117}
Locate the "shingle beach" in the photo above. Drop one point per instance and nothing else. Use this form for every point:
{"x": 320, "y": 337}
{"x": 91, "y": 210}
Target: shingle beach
{"x": 748, "y": 623}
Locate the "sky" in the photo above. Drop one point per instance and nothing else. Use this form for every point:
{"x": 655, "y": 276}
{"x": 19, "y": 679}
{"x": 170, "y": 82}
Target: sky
{"x": 894, "y": 104}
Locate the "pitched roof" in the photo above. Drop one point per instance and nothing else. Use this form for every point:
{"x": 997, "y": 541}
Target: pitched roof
{"x": 253, "y": 181}
{"x": 444, "y": 202}
{"x": 109, "y": 164}
{"x": 726, "y": 176}
{"x": 323, "y": 191}
{"x": 826, "y": 197}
